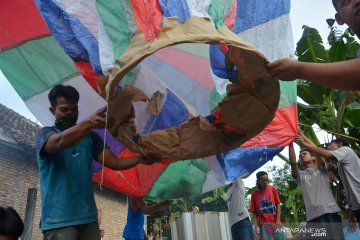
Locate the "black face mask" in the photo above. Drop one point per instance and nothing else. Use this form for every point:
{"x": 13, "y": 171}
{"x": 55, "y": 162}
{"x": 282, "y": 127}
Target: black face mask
{"x": 67, "y": 122}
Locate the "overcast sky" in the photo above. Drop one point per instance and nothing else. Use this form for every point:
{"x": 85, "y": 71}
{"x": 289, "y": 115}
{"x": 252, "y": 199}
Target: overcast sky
{"x": 312, "y": 13}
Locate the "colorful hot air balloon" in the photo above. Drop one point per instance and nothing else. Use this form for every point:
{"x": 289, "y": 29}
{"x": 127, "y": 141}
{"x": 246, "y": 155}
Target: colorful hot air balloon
{"x": 78, "y": 42}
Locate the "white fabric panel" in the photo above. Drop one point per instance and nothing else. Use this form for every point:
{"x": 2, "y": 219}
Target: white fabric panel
{"x": 220, "y": 83}
{"x": 215, "y": 177}
{"x": 274, "y": 39}
{"x": 89, "y": 102}
{"x": 86, "y": 12}
{"x": 199, "y": 8}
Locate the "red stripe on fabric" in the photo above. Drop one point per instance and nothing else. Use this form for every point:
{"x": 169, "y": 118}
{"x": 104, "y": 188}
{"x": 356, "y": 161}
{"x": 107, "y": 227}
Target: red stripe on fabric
{"x": 280, "y": 132}
{"x": 148, "y": 17}
{"x": 136, "y": 181}
{"x": 188, "y": 64}
{"x": 88, "y": 73}
{"x": 20, "y": 21}
{"x": 230, "y": 19}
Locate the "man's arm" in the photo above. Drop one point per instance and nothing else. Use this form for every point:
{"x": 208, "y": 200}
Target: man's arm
{"x": 112, "y": 162}
{"x": 292, "y": 158}
{"x": 256, "y": 226}
{"x": 316, "y": 150}
{"x": 340, "y": 75}
{"x": 301, "y": 138}
{"x": 278, "y": 215}
{"x": 71, "y": 136}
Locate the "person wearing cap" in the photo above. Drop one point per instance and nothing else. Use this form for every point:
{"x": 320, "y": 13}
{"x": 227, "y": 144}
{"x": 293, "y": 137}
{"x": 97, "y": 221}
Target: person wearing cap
{"x": 265, "y": 206}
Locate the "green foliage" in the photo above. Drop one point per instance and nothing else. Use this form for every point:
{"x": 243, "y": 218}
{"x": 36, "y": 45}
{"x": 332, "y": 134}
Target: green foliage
{"x": 292, "y": 208}
{"x": 334, "y": 111}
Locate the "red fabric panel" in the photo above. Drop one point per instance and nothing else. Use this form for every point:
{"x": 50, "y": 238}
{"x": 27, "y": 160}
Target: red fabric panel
{"x": 188, "y": 64}
{"x": 280, "y": 132}
{"x": 136, "y": 181}
{"x": 20, "y": 21}
{"x": 230, "y": 19}
{"x": 88, "y": 73}
{"x": 148, "y": 17}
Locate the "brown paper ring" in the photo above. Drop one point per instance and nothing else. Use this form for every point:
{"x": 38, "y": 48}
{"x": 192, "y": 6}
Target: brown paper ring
{"x": 249, "y": 106}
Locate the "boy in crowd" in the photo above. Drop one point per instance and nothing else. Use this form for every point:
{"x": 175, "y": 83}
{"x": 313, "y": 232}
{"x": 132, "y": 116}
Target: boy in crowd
{"x": 65, "y": 153}
{"x": 239, "y": 218}
{"x": 341, "y": 75}
{"x": 322, "y": 211}
{"x": 348, "y": 164}
{"x": 265, "y": 205}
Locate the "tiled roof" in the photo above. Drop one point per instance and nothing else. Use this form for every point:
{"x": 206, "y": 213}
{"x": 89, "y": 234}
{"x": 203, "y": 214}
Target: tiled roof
{"x": 17, "y": 129}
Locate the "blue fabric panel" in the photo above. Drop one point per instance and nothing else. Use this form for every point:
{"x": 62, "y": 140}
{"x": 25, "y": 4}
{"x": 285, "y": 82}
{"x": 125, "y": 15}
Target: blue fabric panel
{"x": 174, "y": 112}
{"x": 183, "y": 85}
{"x": 217, "y": 62}
{"x": 251, "y": 13}
{"x": 71, "y": 34}
{"x": 244, "y": 161}
{"x": 179, "y": 8}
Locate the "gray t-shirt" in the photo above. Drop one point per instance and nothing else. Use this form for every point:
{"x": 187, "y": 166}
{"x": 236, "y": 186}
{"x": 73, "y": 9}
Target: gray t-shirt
{"x": 236, "y": 202}
{"x": 349, "y": 171}
{"x": 318, "y": 198}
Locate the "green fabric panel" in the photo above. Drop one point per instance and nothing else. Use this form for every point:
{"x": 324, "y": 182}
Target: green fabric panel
{"x": 119, "y": 23}
{"x": 288, "y": 94}
{"x": 219, "y": 10}
{"x": 215, "y": 98}
{"x": 36, "y": 66}
{"x": 182, "y": 178}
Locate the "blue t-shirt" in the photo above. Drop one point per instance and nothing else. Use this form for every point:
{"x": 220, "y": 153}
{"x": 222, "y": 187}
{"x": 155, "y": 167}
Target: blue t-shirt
{"x": 66, "y": 181}
{"x": 134, "y": 228}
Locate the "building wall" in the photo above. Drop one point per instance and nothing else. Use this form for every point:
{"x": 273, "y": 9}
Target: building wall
{"x": 19, "y": 172}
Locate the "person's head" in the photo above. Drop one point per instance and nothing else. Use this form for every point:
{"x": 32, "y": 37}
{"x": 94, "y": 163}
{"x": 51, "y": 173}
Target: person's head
{"x": 102, "y": 232}
{"x": 64, "y": 105}
{"x": 348, "y": 12}
{"x": 195, "y": 209}
{"x": 337, "y": 143}
{"x": 11, "y": 225}
{"x": 307, "y": 158}
{"x": 262, "y": 179}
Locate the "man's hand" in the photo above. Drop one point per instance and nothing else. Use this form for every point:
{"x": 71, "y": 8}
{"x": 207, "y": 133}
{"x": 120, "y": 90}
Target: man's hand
{"x": 98, "y": 119}
{"x": 300, "y": 139}
{"x": 352, "y": 225}
{"x": 285, "y": 69}
{"x": 150, "y": 159}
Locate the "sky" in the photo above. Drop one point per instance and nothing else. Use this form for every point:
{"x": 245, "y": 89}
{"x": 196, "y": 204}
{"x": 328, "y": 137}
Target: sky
{"x": 312, "y": 13}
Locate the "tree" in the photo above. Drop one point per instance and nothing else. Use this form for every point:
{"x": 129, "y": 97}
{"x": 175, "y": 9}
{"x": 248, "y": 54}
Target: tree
{"x": 334, "y": 111}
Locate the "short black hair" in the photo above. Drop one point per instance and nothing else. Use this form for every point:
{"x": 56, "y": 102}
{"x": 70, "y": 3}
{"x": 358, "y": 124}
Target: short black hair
{"x": 67, "y": 92}
{"x": 335, "y": 5}
{"x": 11, "y": 224}
{"x": 260, "y": 174}
{"x": 341, "y": 141}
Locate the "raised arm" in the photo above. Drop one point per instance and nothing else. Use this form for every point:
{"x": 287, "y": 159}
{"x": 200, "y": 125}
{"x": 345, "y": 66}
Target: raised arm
{"x": 319, "y": 159}
{"x": 292, "y": 158}
{"x": 340, "y": 75}
{"x": 71, "y": 136}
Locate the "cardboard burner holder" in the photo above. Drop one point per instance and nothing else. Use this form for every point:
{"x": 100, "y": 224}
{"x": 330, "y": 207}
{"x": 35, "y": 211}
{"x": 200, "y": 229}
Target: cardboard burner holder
{"x": 248, "y": 108}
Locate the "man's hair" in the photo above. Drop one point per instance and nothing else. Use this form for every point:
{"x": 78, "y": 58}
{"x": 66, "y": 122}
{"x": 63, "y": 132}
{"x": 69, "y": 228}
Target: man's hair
{"x": 67, "y": 92}
{"x": 335, "y": 5}
{"x": 11, "y": 224}
{"x": 307, "y": 150}
{"x": 341, "y": 141}
{"x": 260, "y": 174}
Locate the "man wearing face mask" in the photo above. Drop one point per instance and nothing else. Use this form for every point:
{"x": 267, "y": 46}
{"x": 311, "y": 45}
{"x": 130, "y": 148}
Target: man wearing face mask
{"x": 64, "y": 154}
